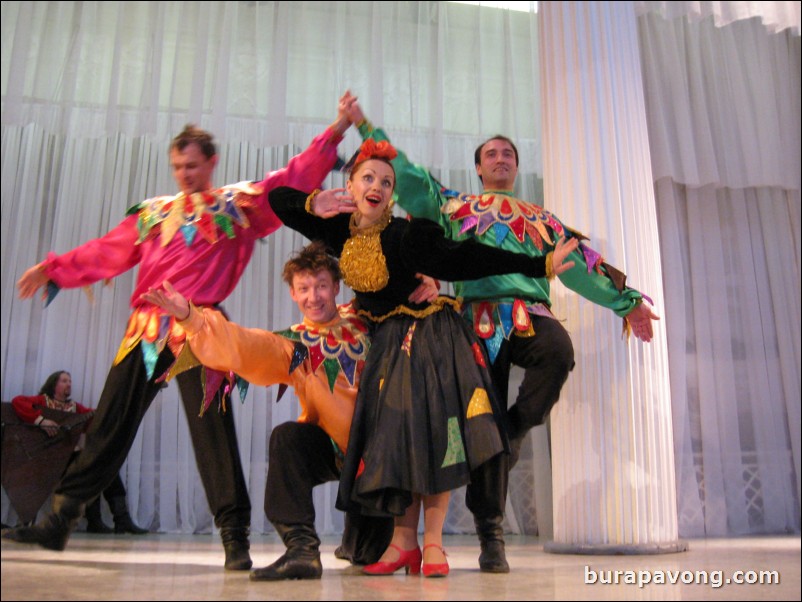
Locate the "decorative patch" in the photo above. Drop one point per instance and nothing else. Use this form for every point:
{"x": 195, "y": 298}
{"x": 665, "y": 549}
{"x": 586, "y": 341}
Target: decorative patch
{"x": 483, "y": 320}
{"x": 407, "y": 344}
{"x": 155, "y": 330}
{"x": 495, "y": 322}
{"x": 455, "y": 454}
{"x": 478, "y": 356}
{"x": 479, "y": 404}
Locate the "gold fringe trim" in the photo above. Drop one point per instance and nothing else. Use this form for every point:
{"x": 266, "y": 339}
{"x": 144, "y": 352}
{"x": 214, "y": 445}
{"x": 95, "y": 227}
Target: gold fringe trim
{"x": 550, "y": 265}
{"x": 436, "y": 305}
{"x": 310, "y": 199}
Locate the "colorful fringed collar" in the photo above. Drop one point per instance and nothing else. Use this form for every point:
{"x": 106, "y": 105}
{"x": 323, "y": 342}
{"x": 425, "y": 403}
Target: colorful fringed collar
{"x": 212, "y": 213}
{"x": 504, "y": 213}
{"x": 340, "y": 345}
{"x": 508, "y": 214}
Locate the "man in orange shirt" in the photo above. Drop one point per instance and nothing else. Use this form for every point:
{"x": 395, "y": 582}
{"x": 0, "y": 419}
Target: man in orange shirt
{"x": 322, "y": 359}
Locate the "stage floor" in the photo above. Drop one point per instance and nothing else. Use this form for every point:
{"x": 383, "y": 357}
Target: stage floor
{"x": 189, "y": 567}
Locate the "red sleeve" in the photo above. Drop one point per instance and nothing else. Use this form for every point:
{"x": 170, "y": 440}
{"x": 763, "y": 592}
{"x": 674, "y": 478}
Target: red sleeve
{"x": 98, "y": 259}
{"x": 305, "y": 171}
{"x": 23, "y": 406}
{"x": 82, "y": 409}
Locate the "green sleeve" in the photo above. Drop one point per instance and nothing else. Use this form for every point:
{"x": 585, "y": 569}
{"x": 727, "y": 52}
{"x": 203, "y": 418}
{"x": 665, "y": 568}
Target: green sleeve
{"x": 607, "y": 289}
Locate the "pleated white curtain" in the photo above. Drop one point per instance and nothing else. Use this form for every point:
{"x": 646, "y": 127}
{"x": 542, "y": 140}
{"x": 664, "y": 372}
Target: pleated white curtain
{"x": 723, "y": 108}
{"x": 92, "y": 93}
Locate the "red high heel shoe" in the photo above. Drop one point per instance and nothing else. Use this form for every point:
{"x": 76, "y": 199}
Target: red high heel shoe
{"x": 431, "y": 569}
{"x": 409, "y": 559}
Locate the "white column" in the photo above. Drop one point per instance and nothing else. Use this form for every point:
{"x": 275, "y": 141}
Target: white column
{"x": 612, "y": 443}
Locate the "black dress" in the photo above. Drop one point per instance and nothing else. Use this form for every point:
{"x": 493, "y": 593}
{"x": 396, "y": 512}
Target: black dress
{"x": 426, "y": 414}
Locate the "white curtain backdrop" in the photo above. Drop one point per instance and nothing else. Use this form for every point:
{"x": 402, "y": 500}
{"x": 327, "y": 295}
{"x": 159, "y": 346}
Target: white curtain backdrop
{"x": 723, "y": 105}
{"x": 92, "y": 92}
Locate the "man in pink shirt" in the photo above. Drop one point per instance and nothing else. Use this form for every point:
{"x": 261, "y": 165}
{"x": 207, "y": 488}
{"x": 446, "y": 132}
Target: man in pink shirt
{"x": 200, "y": 240}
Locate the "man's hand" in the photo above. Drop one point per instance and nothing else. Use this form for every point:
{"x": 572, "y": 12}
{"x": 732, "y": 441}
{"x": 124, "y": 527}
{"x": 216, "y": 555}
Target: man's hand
{"x": 428, "y": 290}
{"x": 32, "y": 280}
{"x": 49, "y": 426}
{"x": 640, "y": 319}
{"x": 169, "y": 299}
{"x": 334, "y": 201}
{"x": 561, "y": 251}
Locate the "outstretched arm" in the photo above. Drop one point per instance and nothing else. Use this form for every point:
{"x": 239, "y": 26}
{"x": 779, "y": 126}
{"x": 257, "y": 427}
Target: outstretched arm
{"x": 258, "y": 356}
{"x": 98, "y": 259}
{"x": 427, "y": 250}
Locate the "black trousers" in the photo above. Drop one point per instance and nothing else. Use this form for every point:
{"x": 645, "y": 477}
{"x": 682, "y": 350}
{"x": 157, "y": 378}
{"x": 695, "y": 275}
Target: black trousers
{"x": 301, "y": 457}
{"x": 547, "y": 358}
{"x": 115, "y": 488}
{"x": 126, "y": 397}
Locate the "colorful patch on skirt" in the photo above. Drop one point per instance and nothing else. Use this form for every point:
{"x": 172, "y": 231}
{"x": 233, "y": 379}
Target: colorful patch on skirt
{"x": 455, "y": 454}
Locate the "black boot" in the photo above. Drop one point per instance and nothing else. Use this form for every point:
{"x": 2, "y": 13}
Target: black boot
{"x": 94, "y": 519}
{"x": 122, "y": 519}
{"x": 236, "y": 545}
{"x": 493, "y": 559}
{"x": 54, "y": 531}
{"x": 300, "y": 561}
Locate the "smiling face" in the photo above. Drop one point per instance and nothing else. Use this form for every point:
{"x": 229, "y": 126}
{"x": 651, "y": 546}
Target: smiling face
{"x": 192, "y": 170}
{"x": 498, "y": 165}
{"x": 371, "y": 184}
{"x": 315, "y": 295}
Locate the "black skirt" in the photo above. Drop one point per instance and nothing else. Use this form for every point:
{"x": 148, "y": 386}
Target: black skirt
{"x": 426, "y": 414}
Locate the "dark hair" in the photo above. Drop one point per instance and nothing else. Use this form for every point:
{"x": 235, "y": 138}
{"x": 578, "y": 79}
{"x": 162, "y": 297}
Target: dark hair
{"x": 313, "y": 258}
{"x": 49, "y": 388}
{"x": 191, "y": 134}
{"x": 477, "y": 155}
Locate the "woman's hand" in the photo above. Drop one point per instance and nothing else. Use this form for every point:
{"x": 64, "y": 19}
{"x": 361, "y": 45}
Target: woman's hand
{"x": 334, "y": 201}
{"x": 561, "y": 251}
{"x": 428, "y": 290}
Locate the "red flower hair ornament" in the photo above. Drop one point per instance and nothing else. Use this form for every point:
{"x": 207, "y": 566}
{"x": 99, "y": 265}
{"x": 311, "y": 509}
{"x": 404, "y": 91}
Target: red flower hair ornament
{"x": 371, "y": 149}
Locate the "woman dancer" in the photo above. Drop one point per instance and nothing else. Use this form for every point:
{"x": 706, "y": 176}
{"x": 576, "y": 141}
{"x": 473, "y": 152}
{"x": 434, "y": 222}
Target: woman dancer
{"x": 426, "y": 414}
